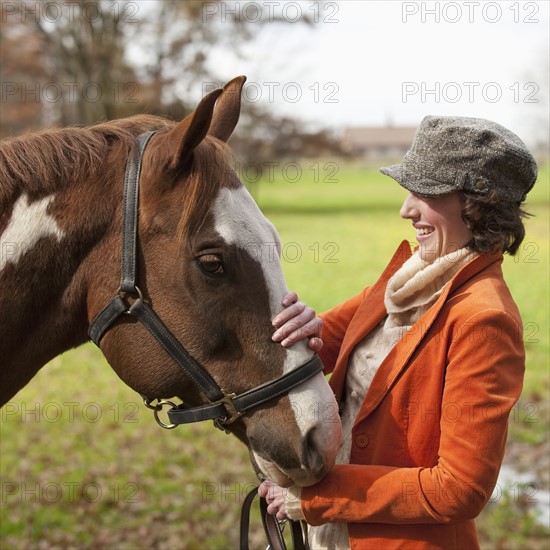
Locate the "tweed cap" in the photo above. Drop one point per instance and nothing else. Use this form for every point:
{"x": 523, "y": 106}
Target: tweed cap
{"x": 465, "y": 154}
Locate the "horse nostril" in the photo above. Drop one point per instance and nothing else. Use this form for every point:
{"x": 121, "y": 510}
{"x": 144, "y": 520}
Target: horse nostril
{"x": 312, "y": 458}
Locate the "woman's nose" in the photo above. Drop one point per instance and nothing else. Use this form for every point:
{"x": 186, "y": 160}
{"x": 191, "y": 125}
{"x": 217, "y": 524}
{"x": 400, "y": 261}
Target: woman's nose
{"x": 408, "y": 210}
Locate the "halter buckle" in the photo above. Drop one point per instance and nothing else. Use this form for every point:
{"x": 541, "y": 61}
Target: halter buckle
{"x": 234, "y": 413}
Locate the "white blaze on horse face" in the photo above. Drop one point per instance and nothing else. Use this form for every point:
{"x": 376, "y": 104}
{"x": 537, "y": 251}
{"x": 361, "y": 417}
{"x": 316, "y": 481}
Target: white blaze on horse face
{"x": 29, "y": 223}
{"x": 240, "y": 222}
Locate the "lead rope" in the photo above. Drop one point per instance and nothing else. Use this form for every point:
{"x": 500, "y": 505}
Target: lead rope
{"x": 273, "y": 528}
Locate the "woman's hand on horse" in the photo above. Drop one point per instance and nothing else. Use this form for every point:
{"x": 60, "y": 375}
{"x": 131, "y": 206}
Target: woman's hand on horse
{"x": 296, "y": 322}
{"x": 275, "y": 498}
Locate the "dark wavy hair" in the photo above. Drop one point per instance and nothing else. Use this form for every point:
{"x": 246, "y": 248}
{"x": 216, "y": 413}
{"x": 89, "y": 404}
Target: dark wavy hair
{"x": 496, "y": 224}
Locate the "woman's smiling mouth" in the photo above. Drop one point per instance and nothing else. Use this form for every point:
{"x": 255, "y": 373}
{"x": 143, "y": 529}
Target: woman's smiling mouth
{"x": 423, "y": 231}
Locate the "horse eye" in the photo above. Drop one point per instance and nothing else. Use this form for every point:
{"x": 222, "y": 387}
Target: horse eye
{"x": 211, "y": 264}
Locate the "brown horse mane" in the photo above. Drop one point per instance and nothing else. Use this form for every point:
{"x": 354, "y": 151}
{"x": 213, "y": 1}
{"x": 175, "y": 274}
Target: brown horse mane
{"x": 43, "y": 162}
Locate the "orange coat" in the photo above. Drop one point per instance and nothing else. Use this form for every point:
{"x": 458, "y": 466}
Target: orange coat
{"x": 429, "y": 438}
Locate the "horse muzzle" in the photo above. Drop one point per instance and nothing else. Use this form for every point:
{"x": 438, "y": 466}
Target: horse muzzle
{"x": 302, "y": 448}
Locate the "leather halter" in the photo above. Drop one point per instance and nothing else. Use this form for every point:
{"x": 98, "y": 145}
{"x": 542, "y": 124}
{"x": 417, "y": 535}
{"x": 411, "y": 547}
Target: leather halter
{"x": 224, "y": 407}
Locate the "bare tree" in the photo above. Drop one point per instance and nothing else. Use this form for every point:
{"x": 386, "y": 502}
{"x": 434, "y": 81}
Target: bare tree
{"x": 82, "y": 61}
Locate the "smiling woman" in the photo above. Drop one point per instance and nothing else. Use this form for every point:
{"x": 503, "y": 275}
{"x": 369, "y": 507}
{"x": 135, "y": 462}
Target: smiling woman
{"x": 428, "y": 361}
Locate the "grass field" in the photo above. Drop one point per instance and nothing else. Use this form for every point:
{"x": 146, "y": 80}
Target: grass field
{"x": 83, "y": 465}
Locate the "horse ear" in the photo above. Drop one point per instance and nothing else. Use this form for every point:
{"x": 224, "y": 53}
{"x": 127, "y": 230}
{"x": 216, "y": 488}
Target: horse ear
{"x": 193, "y": 129}
{"x": 228, "y": 109}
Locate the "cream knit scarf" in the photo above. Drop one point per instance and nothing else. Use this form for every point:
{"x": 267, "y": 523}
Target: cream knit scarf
{"x": 417, "y": 285}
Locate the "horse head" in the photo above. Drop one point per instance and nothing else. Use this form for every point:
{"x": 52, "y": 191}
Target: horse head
{"x": 209, "y": 264}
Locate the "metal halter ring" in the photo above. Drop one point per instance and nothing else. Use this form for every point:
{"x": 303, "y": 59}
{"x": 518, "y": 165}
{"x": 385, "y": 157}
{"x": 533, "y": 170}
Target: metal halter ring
{"x": 157, "y": 408}
{"x": 124, "y": 295}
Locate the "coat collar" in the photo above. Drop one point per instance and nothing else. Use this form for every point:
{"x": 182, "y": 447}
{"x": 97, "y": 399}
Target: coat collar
{"x": 372, "y": 311}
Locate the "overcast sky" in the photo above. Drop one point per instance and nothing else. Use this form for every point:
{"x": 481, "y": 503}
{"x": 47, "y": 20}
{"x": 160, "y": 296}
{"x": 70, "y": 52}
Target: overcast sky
{"x": 373, "y": 62}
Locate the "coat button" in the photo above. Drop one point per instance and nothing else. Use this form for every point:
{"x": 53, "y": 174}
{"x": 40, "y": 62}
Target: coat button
{"x": 362, "y": 441}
